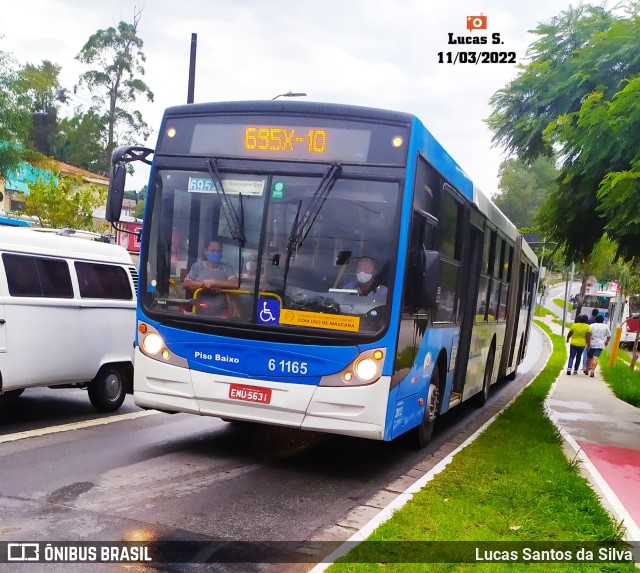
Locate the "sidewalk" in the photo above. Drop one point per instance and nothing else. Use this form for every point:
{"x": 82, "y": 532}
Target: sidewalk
{"x": 604, "y": 433}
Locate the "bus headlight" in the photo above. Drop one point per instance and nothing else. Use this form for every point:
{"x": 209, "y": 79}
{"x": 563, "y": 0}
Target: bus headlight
{"x": 152, "y": 343}
{"x": 154, "y": 346}
{"x": 365, "y": 369}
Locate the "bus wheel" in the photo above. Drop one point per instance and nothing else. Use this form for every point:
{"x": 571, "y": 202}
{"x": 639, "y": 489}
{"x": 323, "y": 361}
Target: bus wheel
{"x": 107, "y": 389}
{"x": 512, "y": 376}
{"x": 13, "y": 393}
{"x": 481, "y": 398}
{"x": 424, "y": 431}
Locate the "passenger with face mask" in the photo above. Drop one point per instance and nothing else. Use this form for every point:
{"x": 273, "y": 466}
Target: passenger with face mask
{"x": 211, "y": 275}
{"x": 250, "y": 269}
{"x": 365, "y": 281}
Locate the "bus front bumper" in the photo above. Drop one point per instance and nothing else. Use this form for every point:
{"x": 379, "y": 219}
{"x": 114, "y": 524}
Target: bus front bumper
{"x": 355, "y": 411}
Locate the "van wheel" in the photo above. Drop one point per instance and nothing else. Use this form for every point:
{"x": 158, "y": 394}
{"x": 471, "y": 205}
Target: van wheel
{"x": 13, "y": 393}
{"x": 107, "y": 389}
{"x": 424, "y": 431}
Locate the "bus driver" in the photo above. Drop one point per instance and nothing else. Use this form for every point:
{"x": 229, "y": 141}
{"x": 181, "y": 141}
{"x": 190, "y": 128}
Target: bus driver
{"x": 365, "y": 281}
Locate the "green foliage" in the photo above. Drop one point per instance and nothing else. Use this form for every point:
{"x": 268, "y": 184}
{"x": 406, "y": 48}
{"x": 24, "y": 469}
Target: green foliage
{"x": 620, "y": 187}
{"x": 513, "y": 483}
{"x": 541, "y": 311}
{"x": 524, "y": 188}
{"x": 601, "y": 264}
{"x": 114, "y": 83}
{"x": 624, "y": 381}
{"x": 81, "y": 142}
{"x": 40, "y": 87}
{"x": 553, "y": 83}
{"x": 138, "y": 212}
{"x": 63, "y": 202}
{"x": 15, "y": 120}
{"x": 579, "y": 95}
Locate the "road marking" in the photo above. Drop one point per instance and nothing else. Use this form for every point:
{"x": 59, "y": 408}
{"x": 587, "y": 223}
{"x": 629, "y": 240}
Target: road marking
{"x": 75, "y": 426}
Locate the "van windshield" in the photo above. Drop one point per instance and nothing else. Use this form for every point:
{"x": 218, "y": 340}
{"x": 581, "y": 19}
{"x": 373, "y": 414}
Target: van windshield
{"x": 597, "y": 301}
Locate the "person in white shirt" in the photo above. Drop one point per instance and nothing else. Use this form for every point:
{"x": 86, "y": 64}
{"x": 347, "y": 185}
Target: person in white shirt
{"x": 600, "y": 335}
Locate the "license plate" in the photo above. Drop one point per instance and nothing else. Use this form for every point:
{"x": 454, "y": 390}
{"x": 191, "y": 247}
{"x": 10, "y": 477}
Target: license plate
{"x": 250, "y": 393}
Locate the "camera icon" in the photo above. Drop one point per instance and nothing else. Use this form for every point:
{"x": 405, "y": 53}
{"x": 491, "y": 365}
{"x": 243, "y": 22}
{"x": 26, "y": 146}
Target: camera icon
{"x": 476, "y": 22}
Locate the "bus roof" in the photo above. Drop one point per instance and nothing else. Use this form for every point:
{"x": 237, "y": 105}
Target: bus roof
{"x": 293, "y": 108}
{"x": 444, "y": 162}
{"x": 23, "y": 240}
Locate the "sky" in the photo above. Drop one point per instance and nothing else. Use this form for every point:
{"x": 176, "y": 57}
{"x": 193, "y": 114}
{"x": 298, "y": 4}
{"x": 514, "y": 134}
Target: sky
{"x": 374, "y": 53}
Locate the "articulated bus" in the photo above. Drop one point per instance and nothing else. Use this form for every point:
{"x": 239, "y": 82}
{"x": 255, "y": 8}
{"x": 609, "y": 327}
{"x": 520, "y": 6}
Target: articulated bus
{"x": 302, "y": 192}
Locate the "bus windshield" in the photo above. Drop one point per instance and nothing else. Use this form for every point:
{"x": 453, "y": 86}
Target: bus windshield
{"x": 291, "y": 247}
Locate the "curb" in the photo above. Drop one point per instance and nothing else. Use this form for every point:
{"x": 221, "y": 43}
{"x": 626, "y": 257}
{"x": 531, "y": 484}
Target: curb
{"x": 387, "y": 512}
{"x": 613, "y": 505}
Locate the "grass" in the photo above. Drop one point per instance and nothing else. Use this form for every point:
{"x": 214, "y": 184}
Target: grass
{"x": 624, "y": 382}
{"x": 513, "y": 483}
{"x": 560, "y": 303}
{"x": 541, "y": 311}
{"x": 625, "y": 356}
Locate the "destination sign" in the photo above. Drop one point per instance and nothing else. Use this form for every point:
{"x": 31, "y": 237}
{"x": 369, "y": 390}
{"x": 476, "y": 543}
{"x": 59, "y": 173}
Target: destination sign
{"x": 281, "y": 137}
{"x": 281, "y": 142}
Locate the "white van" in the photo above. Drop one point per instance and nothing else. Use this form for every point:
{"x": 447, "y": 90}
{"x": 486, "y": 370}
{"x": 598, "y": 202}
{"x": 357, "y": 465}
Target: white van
{"x": 600, "y": 300}
{"x": 67, "y": 315}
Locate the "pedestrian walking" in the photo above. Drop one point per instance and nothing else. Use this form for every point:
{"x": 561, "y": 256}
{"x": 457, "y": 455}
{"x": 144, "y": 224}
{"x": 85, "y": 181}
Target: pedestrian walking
{"x": 578, "y": 337}
{"x": 592, "y": 319}
{"x": 600, "y": 336}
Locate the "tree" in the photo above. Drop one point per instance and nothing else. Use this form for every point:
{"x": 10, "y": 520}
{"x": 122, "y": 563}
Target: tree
{"x": 115, "y": 85}
{"x": 63, "y": 202}
{"x": 577, "y": 95}
{"x": 81, "y": 141}
{"x": 41, "y": 88}
{"x": 600, "y": 264}
{"x": 138, "y": 212}
{"x": 141, "y": 197}
{"x": 524, "y": 188}
{"x": 15, "y": 120}
{"x": 553, "y": 83}
{"x": 619, "y": 190}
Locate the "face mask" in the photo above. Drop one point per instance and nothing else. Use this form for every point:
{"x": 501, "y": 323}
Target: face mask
{"x": 214, "y": 257}
{"x": 251, "y": 266}
{"x": 364, "y": 277}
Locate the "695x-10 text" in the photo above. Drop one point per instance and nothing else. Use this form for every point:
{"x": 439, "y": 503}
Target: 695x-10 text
{"x": 476, "y": 57}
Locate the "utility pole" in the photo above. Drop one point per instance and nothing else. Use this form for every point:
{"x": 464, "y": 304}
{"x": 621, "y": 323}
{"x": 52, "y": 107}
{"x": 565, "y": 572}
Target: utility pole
{"x": 566, "y": 297}
{"x": 192, "y": 68}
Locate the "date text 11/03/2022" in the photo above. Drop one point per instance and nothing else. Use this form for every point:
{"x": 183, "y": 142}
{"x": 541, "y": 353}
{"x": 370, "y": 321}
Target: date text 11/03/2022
{"x": 476, "y": 57}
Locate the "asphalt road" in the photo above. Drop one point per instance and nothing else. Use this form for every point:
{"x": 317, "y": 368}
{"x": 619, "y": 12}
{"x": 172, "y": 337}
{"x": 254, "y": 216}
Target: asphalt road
{"x": 68, "y": 473}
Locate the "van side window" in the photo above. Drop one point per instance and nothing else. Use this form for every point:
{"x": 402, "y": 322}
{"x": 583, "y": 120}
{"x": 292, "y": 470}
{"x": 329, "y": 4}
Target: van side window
{"x": 37, "y": 277}
{"x": 103, "y": 281}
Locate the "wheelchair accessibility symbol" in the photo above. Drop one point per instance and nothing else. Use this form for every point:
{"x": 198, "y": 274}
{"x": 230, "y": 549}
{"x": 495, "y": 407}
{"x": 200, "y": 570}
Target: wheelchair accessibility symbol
{"x": 268, "y": 311}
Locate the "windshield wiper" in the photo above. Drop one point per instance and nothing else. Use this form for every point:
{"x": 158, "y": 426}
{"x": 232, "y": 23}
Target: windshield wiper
{"x": 302, "y": 224}
{"x": 235, "y": 222}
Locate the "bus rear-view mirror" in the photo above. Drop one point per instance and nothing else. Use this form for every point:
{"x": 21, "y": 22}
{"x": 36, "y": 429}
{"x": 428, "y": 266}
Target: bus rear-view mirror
{"x": 116, "y": 193}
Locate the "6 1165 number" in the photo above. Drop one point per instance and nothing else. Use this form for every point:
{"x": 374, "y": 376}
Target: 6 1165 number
{"x": 287, "y": 366}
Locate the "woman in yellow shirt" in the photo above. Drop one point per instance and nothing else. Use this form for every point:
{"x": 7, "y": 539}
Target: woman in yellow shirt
{"x": 579, "y": 336}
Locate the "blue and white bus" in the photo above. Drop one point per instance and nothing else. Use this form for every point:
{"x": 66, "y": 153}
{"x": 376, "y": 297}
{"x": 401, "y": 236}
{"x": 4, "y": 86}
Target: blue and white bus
{"x": 304, "y": 191}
